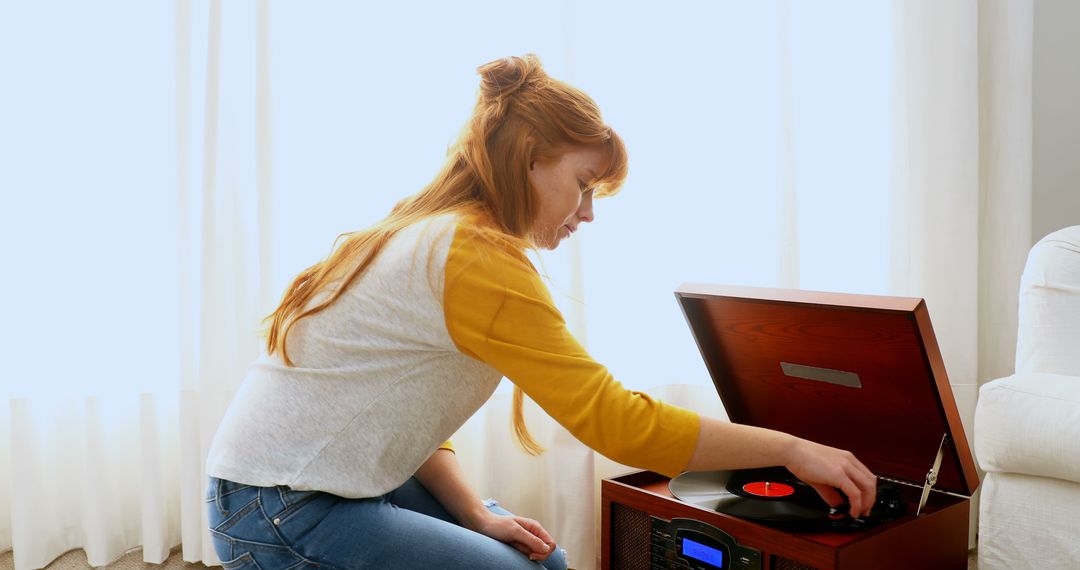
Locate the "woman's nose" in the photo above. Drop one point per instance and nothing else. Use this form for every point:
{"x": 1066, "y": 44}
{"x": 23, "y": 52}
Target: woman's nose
{"x": 585, "y": 211}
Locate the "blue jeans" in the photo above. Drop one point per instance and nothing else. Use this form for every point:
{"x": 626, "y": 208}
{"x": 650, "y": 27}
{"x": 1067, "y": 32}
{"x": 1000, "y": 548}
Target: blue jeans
{"x": 276, "y": 528}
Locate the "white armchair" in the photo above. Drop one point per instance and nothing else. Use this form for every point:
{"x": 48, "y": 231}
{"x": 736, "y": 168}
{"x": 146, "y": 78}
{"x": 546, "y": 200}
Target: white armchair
{"x": 1027, "y": 426}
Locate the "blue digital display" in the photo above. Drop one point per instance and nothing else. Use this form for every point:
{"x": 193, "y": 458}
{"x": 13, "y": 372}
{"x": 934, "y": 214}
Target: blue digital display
{"x": 706, "y": 554}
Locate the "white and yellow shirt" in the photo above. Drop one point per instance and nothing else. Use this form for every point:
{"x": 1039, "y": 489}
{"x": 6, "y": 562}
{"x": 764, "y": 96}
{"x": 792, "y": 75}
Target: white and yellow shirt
{"x": 389, "y": 371}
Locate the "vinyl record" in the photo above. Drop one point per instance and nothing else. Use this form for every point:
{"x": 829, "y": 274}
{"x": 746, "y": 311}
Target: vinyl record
{"x": 754, "y": 494}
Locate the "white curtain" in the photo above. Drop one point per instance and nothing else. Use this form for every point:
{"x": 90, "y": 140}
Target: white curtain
{"x": 135, "y": 181}
{"x": 87, "y": 448}
{"x": 962, "y": 184}
{"x": 166, "y": 170}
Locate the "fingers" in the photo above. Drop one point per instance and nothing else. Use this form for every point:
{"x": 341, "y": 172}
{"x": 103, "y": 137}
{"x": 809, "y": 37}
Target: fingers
{"x": 535, "y": 528}
{"x": 856, "y": 497}
{"x": 869, "y": 486}
{"x": 829, "y": 470}
{"x": 534, "y": 540}
{"x": 866, "y": 482}
{"x": 861, "y": 489}
{"x": 524, "y": 535}
{"x": 828, "y": 494}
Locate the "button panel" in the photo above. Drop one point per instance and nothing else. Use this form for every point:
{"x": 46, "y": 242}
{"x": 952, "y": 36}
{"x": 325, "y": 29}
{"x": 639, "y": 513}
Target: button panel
{"x": 721, "y": 550}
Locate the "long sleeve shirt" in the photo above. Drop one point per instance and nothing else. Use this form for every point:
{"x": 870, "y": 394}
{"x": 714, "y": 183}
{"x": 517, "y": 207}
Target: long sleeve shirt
{"x": 390, "y": 370}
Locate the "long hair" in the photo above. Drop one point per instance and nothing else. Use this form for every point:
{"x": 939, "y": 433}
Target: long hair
{"x": 521, "y": 115}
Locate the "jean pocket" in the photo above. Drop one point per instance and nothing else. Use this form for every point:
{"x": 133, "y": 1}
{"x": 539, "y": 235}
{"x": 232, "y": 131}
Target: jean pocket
{"x": 218, "y": 489}
{"x": 225, "y": 520}
{"x": 257, "y": 555}
{"x": 243, "y": 562}
{"x": 292, "y": 502}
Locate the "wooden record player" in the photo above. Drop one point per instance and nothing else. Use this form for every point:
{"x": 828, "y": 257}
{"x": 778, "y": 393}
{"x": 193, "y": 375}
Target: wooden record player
{"x": 857, "y": 372}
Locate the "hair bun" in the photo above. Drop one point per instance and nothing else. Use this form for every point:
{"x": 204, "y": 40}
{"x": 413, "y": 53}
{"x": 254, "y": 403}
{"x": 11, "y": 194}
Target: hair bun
{"x": 503, "y": 77}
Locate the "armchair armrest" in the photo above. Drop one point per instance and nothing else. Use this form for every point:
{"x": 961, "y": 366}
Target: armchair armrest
{"x": 1029, "y": 423}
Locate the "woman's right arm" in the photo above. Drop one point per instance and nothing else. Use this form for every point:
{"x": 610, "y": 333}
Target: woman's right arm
{"x": 724, "y": 445}
{"x": 498, "y": 311}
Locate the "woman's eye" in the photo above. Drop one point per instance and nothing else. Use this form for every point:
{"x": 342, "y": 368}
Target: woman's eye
{"x": 583, "y": 187}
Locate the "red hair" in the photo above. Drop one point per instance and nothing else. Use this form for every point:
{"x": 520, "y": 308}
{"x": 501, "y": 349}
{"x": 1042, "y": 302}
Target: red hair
{"x": 521, "y": 115}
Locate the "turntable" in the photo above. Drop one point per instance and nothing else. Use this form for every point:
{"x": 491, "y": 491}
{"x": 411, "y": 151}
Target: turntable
{"x": 857, "y": 372}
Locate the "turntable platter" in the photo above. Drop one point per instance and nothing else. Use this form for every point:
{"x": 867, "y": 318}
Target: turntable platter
{"x": 774, "y": 496}
{"x": 766, "y": 495}
{"x": 702, "y": 488}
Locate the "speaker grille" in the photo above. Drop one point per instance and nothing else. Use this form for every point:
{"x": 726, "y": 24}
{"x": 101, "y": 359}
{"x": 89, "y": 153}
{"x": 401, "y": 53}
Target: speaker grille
{"x": 630, "y": 533}
{"x": 788, "y": 564}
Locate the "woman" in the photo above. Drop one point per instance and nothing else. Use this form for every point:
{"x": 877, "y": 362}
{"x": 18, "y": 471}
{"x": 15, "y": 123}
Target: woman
{"x": 332, "y": 452}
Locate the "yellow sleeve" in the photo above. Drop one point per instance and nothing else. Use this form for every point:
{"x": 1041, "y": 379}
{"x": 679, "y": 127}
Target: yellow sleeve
{"x": 449, "y": 446}
{"x": 499, "y": 311}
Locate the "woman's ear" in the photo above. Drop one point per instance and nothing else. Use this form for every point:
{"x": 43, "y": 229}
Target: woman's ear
{"x": 530, "y": 142}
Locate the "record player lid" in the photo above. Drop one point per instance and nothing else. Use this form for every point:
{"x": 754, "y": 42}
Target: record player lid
{"x": 857, "y": 372}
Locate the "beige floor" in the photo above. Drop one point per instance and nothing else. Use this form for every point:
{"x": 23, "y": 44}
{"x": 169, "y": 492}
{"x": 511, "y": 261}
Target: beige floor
{"x": 76, "y": 560}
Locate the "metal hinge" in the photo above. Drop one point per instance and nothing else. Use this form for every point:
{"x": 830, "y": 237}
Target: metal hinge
{"x": 931, "y": 476}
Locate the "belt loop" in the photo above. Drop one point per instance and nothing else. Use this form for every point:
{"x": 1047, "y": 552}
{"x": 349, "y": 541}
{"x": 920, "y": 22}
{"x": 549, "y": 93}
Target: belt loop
{"x": 217, "y": 499}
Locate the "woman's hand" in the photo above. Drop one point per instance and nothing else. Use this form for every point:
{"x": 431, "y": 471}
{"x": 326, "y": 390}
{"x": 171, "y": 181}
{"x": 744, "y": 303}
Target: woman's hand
{"x": 441, "y": 475}
{"x": 827, "y": 469}
{"x": 724, "y": 445}
{"x": 524, "y": 534}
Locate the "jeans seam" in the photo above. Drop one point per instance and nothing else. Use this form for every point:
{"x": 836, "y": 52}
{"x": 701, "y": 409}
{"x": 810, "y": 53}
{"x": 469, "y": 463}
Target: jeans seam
{"x": 246, "y": 557}
{"x": 290, "y": 510}
{"x": 215, "y": 533}
{"x": 281, "y": 538}
{"x": 217, "y": 499}
{"x": 237, "y": 490}
{"x": 220, "y": 494}
{"x": 234, "y": 543}
{"x": 239, "y": 514}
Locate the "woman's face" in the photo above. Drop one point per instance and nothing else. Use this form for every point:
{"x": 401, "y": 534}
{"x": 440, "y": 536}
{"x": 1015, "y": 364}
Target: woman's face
{"x": 564, "y": 196}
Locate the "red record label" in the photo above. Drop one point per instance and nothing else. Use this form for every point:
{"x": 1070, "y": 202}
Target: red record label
{"x": 768, "y": 489}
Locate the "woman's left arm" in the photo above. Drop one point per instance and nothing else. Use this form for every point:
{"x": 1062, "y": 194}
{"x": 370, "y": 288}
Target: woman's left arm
{"x": 442, "y": 476}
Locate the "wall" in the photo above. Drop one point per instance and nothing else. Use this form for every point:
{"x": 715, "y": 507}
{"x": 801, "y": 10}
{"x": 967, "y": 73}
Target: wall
{"x": 1056, "y": 117}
